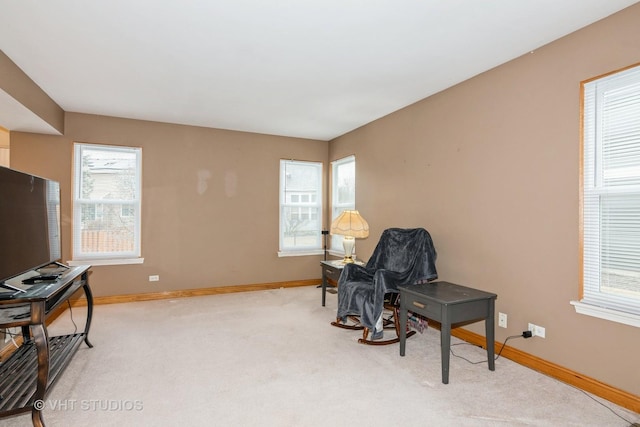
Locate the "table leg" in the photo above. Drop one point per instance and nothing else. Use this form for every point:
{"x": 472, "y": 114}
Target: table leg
{"x": 324, "y": 287}
{"x": 445, "y": 345}
{"x": 89, "y": 296}
{"x": 41, "y": 342}
{"x": 489, "y": 329}
{"x": 403, "y": 324}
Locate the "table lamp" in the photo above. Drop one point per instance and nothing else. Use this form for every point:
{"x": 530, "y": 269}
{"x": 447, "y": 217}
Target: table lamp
{"x": 350, "y": 225}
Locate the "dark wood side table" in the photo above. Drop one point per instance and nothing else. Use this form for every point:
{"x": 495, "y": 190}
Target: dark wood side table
{"x": 448, "y": 304}
{"x": 330, "y": 270}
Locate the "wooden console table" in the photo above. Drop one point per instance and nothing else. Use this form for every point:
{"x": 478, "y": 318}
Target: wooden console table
{"x": 30, "y": 372}
{"x": 448, "y": 303}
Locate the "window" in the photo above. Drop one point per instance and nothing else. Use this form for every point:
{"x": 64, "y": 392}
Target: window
{"x": 127, "y": 210}
{"x": 300, "y": 208}
{"x": 343, "y": 193}
{"x": 611, "y": 197}
{"x": 106, "y": 204}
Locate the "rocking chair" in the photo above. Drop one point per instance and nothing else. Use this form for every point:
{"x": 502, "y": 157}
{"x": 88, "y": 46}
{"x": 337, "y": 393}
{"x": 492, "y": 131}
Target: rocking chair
{"x": 402, "y": 257}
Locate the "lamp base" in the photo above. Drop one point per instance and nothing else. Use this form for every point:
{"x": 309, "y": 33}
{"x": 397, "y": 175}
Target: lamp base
{"x": 348, "y": 243}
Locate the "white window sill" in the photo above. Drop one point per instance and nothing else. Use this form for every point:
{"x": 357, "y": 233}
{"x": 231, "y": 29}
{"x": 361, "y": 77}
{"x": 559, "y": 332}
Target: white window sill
{"x": 606, "y": 313}
{"x": 300, "y": 253}
{"x": 115, "y": 261}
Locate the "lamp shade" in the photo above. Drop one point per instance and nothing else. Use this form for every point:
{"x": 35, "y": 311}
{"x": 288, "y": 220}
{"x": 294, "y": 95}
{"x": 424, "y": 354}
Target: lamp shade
{"x": 350, "y": 223}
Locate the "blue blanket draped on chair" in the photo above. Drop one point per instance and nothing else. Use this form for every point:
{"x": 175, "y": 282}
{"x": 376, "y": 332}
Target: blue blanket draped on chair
{"x": 401, "y": 257}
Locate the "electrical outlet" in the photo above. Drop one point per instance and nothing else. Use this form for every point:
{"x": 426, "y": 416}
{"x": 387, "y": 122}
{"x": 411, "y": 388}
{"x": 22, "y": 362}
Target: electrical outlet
{"x": 502, "y": 320}
{"x": 537, "y": 331}
{"x": 154, "y": 278}
{"x": 532, "y": 328}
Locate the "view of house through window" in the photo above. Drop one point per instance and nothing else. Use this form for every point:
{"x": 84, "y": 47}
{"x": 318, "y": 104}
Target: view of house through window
{"x": 107, "y": 186}
{"x": 300, "y": 206}
{"x": 611, "y": 192}
{"x": 343, "y": 192}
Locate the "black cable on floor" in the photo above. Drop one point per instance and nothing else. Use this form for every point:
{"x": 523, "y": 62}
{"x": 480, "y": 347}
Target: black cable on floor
{"x": 71, "y": 315}
{"x": 520, "y": 336}
{"x": 483, "y": 361}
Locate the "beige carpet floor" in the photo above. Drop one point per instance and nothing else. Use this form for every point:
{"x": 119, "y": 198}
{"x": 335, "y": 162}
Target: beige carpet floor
{"x": 271, "y": 358}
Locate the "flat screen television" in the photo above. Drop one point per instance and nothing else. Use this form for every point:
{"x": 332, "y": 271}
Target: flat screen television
{"x": 29, "y": 223}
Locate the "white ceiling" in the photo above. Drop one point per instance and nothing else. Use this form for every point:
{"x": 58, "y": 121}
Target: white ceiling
{"x": 303, "y": 68}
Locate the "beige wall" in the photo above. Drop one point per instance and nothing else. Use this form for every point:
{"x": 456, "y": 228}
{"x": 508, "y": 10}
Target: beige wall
{"x": 490, "y": 168}
{"x": 4, "y": 138}
{"x": 226, "y": 234}
{"x": 24, "y": 90}
{"x": 4, "y": 147}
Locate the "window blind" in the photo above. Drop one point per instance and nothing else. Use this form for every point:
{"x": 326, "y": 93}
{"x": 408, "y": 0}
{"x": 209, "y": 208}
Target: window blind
{"x": 611, "y": 192}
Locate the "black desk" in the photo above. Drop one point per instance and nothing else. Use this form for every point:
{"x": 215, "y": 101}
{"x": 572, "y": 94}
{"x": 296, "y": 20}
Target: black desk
{"x": 448, "y": 304}
{"x": 330, "y": 270}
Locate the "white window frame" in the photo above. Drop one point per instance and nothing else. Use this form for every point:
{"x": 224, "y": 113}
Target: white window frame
{"x": 115, "y": 257}
{"x": 304, "y": 208}
{"x": 602, "y": 100}
{"x": 337, "y": 206}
